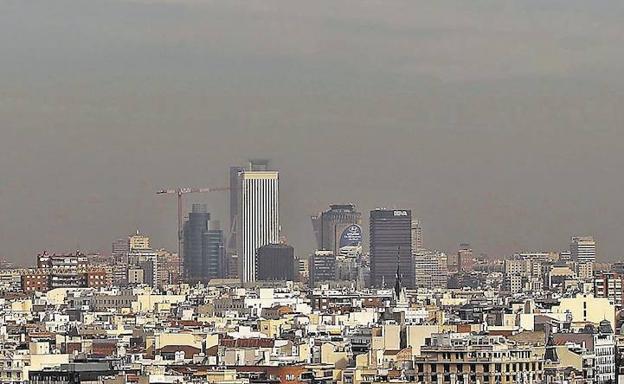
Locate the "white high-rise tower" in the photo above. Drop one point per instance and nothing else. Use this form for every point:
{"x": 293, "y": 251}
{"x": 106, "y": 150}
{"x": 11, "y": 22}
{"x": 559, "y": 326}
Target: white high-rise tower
{"x": 258, "y": 218}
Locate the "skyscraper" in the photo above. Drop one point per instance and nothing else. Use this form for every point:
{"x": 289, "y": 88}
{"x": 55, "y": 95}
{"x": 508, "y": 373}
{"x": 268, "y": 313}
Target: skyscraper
{"x": 213, "y": 252}
{"x": 391, "y": 243}
{"x": 253, "y": 165}
{"x": 338, "y": 227}
{"x": 583, "y": 249}
{"x": 258, "y": 217}
{"x": 417, "y": 235}
{"x": 193, "y": 233}
{"x": 203, "y": 246}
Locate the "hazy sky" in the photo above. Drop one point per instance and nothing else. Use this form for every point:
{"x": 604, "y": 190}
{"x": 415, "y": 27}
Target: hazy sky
{"x": 499, "y": 123}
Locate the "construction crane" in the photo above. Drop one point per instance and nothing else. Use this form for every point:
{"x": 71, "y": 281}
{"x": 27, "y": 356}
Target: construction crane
{"x": 180, "y": 192}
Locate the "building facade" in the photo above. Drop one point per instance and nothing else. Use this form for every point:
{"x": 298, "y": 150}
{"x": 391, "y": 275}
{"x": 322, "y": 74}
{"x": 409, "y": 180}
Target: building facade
{"x": 322, "y": 267}
{"x": 458, "y": 358}
{"x": 465, "y": 258}
{"x": 204, "y": 253}
{"x": 338, "y": 227}
{"x": 147, "y": 260}
{"x": 430, "y": 269}
{"x": 138, "y": 242}
{"x": 583, "y": 249}
{"x": 275, "y": 262}
{"x": 258, "y": 218}
{"x": 417, "y": 235}
{"x": 610, "y": 285}
{"x": 120, "y": 248}
{"x": 391, "y": 243}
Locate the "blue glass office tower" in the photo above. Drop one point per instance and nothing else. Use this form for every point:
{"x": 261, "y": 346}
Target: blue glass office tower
{"x": 203, "y": 246}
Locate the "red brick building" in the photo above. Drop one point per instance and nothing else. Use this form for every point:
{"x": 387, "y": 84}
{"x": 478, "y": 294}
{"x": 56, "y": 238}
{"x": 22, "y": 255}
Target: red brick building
{"x": 35, "y": 281}
{"x": 98, "y": 278}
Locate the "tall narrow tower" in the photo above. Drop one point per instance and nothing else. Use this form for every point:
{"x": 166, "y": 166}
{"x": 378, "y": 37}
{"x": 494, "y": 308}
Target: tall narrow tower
{"x": 417, "y": 235}
{"x": 258, "y": 217}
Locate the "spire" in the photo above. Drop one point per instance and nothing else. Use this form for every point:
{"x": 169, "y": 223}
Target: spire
{"x": 398, "y": 272}
{"x": 551, "y": 350}
{"x": 398, "y": 282}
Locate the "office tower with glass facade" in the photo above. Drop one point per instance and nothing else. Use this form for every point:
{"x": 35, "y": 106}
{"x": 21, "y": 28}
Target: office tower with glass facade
{"x": 203, "y": 246}
{"x": 391, "y": 244}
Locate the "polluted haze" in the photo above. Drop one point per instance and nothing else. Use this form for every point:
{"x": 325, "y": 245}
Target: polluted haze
{"x": 497, "y": 123}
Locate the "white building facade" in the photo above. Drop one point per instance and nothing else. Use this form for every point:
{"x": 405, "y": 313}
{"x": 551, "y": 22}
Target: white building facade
{"x": 583, "y": 249}
{"x": 258, "y": 215}
{"x": 431, "y": 269}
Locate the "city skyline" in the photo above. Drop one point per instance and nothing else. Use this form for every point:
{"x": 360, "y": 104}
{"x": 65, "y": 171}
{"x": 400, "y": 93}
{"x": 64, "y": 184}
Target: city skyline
{"x": 188, "y": 208}
{"x": 565, "y": 248}
{"x": 311, "y": 192}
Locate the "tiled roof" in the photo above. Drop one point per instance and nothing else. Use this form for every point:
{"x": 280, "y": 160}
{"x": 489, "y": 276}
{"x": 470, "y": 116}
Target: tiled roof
{"x": 188, "y": 349}
{"x": 247, "y": 343}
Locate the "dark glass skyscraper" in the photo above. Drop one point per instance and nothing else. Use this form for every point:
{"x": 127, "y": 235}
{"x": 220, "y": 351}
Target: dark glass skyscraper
{"x": 213, "y": 253}
{"x": 203, "y": 246}
{"x": 391, "y": 243}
